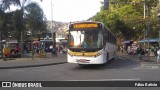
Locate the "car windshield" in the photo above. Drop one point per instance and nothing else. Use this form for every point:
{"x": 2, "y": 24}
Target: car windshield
{"x": 86, "y": 39}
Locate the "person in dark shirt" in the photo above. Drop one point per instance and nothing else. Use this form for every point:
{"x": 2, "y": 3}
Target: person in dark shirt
{"x": 53, "y": 51}
{"x": 140, "y": 52}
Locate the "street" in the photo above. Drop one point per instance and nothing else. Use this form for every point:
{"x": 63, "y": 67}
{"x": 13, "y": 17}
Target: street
{"x": 122, "y": 68}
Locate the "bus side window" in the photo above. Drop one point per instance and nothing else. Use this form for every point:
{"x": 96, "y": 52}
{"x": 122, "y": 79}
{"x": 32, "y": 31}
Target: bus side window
{"x": 104, "y": 38}
{"x": 111, "y": 39}
{"x": 107, "y": 36}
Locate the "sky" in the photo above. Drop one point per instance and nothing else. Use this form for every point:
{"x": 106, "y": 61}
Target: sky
{"x": 70, "y": 10}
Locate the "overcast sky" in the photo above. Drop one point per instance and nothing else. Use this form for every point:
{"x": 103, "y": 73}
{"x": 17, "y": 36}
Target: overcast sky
{"x": 70, "y": 10}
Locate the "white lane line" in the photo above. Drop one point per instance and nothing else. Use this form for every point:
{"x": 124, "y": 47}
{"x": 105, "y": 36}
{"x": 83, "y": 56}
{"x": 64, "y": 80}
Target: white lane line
{"x": 155, "y": 67}
{"x": 134, "y": 79}
{"x": 147, "y": 67}
{"x": 152, "y": 64}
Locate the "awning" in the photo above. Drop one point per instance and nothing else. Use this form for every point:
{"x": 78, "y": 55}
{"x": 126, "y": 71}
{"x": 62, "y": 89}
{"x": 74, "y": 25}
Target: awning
{"x": 149, "y": 40}
{"x": 36, "y": 42}
{"x": 12, "y": 41}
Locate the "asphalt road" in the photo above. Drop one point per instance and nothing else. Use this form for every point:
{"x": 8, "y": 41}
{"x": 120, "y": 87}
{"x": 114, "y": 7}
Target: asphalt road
{"x": 120, "y": 69}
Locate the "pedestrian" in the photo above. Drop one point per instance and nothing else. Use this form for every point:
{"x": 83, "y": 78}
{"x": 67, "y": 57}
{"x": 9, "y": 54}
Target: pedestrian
{"x": 53, "y": 51}
{"x": 132, "y": 51}
{"x": 121, "y": 49}
{"x": 155, "y": 51}
{"x": 25, "y": 49}
{"x": 140, "y": 52}
{"x": 158, "y": 55}
{"x": 129, "y": 49}
{"x": 17, "y": 49}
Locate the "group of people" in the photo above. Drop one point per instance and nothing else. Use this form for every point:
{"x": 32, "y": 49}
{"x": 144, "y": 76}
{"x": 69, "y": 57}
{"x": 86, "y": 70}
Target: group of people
{"x": 59, "y": 48}
{"x": 138, "y": 50}
{"x": 141, "y": 52}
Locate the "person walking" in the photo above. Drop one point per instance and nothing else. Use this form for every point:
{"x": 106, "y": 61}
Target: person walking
{"x": 155, "y": 51}
{"x": 17, "y": 49}
{"x": 158, "y": 55}
{"x": 53, "y": 51}
{"x": 140, "y": 52}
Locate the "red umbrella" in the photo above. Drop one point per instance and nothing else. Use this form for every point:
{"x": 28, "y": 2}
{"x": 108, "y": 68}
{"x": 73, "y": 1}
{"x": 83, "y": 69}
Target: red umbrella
{"x": 36, "y": 42}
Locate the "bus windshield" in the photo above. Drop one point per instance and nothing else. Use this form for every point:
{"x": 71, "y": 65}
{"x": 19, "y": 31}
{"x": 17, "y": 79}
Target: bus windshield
{"x": 91, "y": 38}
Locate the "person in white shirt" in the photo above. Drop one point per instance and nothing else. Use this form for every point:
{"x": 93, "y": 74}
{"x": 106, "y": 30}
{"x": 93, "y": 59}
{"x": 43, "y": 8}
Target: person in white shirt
{"x": 158, "y": 55}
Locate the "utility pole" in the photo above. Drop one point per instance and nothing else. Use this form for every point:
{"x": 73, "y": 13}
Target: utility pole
{"x": 147, "y": 24}
{"x": 1, "y": 31}
{"x": 144, "y": 17}
{"x": 53, "y": 32}
{"x": 159, "y": 21}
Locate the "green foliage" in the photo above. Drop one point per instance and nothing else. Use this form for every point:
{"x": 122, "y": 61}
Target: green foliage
{"x": 34, "y": 18}
{"x": 17, "y": 24}
{"x": 17, "y": 21}
{"x": 125, "y": 18}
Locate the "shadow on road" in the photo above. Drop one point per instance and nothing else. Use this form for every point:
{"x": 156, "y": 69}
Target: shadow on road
{"x": 117, "y": 63}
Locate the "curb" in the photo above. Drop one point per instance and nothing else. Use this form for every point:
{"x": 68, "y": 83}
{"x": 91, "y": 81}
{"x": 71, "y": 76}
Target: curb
{"x": 12, "y": 67}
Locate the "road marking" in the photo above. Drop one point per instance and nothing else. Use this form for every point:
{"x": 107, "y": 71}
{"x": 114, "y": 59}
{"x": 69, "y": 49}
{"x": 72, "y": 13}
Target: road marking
{"x": 134, "y": 79}
{"x": 155, "y": 67}
{"x": 121, "y": 58}
{"x": 147, "y": 67}
{"x": 152, "y": 64}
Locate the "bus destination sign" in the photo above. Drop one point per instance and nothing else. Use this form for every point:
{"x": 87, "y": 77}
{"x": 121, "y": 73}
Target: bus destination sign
{"x": 85, "y": 25}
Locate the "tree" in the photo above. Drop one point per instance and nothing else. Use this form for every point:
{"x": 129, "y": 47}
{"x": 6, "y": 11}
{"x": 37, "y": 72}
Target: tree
{"x": 21, "y": 4}
{"x": 125, "y": 18}
{"x": 34, "y": 20}
{"x": 1, "y": 27}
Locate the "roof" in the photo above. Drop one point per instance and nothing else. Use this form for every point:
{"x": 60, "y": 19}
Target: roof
{"x": 127, "y": 42}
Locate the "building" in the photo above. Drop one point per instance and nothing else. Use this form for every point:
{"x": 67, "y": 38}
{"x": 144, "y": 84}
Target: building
{"x": 59, "y": 28}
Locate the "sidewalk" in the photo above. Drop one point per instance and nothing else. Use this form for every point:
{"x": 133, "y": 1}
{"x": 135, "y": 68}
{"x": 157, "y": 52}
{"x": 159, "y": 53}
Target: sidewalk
{"x": 146, "y": 59}
{"x": 61, "y": 59}
{"x": 28, "y": 62}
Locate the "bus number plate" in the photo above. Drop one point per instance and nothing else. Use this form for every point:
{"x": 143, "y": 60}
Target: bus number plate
{"x": 81, "y": 60}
